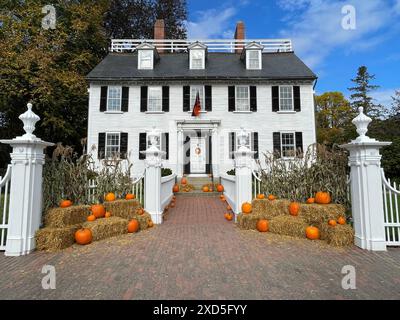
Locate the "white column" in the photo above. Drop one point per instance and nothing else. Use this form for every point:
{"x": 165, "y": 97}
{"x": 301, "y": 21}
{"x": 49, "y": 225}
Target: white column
{"x": 179, "y": 170}
{"x": 27, "y": 161}
{"x": 366, "y": 188}
{"x": 152, "y": 178}
{"x": 215, "y": 151}
{"x": 243, "y": 171}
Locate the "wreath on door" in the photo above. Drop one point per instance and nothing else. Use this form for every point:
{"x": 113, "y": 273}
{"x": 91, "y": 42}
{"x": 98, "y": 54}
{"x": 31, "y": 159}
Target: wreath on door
{"x": 197, "y": 150}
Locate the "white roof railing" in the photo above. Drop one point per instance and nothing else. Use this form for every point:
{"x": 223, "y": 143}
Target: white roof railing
{"x": 213, "y": 45}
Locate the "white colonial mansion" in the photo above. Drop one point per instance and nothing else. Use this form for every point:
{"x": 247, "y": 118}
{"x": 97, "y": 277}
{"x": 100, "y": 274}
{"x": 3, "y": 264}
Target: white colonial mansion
{"x": 260, "y": 85}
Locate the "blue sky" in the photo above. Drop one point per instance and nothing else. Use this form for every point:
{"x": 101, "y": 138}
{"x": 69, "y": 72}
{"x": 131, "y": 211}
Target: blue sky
{"x": 315, "y": 27}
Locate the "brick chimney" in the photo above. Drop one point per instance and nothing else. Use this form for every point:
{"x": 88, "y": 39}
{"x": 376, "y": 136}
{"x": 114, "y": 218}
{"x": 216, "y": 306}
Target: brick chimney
{"x": 240, "y": 34}
{"x": 159, "y": 32}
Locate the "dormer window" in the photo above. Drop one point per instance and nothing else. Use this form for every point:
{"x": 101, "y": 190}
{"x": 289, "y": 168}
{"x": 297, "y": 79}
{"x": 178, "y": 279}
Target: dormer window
{"x": 252, "y": 54}
{"x": 147, "y": 54}
{"x": 197, "y": 56}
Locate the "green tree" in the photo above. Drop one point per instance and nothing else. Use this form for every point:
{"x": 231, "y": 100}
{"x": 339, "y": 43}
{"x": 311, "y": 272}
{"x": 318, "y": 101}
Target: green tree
{"x": 361, "y": 93}
{"x": 396, "y": 104}
{"x": 333, "y": 117}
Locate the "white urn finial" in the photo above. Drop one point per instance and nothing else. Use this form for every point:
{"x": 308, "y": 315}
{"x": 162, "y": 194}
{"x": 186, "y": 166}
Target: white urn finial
{"x": 29, "y": 118}
{"x": 243, "y": 138}
{"x": 361, "y": 122}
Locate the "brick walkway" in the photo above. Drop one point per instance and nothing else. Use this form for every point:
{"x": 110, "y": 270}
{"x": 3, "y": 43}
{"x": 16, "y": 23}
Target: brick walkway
{"x": 197, "y": 254}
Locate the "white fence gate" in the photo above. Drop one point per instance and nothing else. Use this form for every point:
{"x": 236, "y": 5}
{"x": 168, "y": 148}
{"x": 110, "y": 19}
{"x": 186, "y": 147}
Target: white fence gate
{"x": 391, "y": 203}
{"x": 4, "y": 207}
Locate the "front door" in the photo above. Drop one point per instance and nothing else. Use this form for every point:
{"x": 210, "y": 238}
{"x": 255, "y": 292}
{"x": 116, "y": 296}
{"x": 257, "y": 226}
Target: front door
{"x": 197, "y": 154}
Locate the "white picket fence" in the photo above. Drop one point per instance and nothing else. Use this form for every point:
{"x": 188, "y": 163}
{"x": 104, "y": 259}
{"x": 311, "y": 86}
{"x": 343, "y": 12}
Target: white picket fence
{"x": 229, "y": 183}
{"x": 166, "y": 193}
{"x": 256, "y": 184}
{"x": 391, "y": 203}
{"x": 4, "y": 207}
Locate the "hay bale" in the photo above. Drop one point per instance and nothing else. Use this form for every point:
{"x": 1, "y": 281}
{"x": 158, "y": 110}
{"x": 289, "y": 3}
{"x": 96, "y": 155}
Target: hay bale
{"x": 143, "y": 220}
{"x": 288, "y": 225}
{"x": 53, "y": 239}
{"x": 340, "y": 236}
{"x": 125, "y": 209}
{"x": 107, "y": 227}
{"x": 64, "y": 217}
{"x": 268, "y": 209}
{"x": 317, "y": 214}
{"x": 248, "y": 221}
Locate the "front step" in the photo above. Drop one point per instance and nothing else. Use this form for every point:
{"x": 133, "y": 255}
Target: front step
{"x": 199, "y": 182}
{"x": 197, "y": 193}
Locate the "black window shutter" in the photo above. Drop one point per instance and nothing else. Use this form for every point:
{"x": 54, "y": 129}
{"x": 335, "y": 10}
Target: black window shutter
{"x": 101, "y": 146}
{"x": 275, "y": 98}
{"x": 231, "y": 98}
{"x": 165, "y": 98}
{"x": 123, "y": 148}
{"x": 165, "y": 144}
{"x": 186, "y": 98}
{"x": 299, "y": 144}
{"x": 296, "y": 98}
{"x": 253, "y": 98}
{"x": 143, "y": 99}
{"x": 276, "y": 137}
{"x": 142, "y": 145}
{"x": 254, "y": 137}
{"x": 232, "y": 138}
{"x": 125, "y": 99}
{"x": 103, "y": 98}
{"x": 208, "y": 95}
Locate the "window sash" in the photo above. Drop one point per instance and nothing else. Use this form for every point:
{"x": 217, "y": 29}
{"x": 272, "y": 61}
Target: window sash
{"x": 113, "y": 144}
{"x": 193, "y": 93}
{"x": 254, "y": 59}
{"x": 145, "y": 59}
{"x": 197, "y": 59}
{"x": 286, "y": 98}
{"x": 242, "y": 98}
{"x": 114, "y": 98}
{"x": 288, "y": 144}
{"x": 154, "y": 99}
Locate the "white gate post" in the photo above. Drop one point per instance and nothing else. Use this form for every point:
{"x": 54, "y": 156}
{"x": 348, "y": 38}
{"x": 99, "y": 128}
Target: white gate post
{"x": 243, "y": 171}
{"x": 366, "y": 187}
{"x": 27, "y": 161}
{"x": 152, "y": 177}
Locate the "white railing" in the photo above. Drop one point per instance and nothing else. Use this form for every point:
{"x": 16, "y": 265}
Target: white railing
{"x": 166, "y": 193}
{"x": 229, "y": 183}
{"x": 137, "y": 189}
{"x": 213, "y": 45}
{"x": 4, "y": 206}
{"x": 256, "y": 184}
{"x": 391, "y": 203}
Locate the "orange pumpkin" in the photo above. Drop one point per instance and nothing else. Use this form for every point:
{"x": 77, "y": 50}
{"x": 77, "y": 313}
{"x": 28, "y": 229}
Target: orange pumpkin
{"x": 220, "y": 188}
{"x": 133, "y": 226}
{"x": 228, "y": 208}
{"x": 263, "y": 225}
{"x": 150, "y": 224}
{"x": 140, "y": 211}
{"x": 312, "y": 233}
{"x": 65, "y": 203}
{"x": 83, "y": 236}
{"x": 205, "y": 189}
{"x": 246, "y": 208}
{"x": 183, "y": 180}
{"x": 261, "y": 196}
{"x": 91, "y": 218}
{"x": 310, "y": 200}
{"x": 229, "y": 217}
{"x": 294, "y": 208}
{"x": 174, "y": 197}
{"x": 110, "y": 196}
{"x": 172, "y": 205}
{"x": 98, "y": 210}
{"x": 130, "y": 196}
{"x": 342, "y": 220}
{"x": 271, "y": 197}
{"x": 322, "y": 197}
{"x": 175, "y": 188}
{"x": 108, "y": 214}
{"x": 223, "y": 198}
{"x": 332, "y": 223}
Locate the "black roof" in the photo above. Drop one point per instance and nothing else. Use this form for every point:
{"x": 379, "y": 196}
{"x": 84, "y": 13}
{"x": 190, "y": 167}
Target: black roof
{"x": 219, "y": 66}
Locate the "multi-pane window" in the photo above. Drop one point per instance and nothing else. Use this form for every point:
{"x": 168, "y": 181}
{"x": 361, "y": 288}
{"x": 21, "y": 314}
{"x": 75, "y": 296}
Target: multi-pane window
{"x": 145, "y": 59}
{"x": 112, "y": 145}
{"x": 286, "y": 98}
{"x": 288, "y": 145}
{"x": 254, "y": 59}
{"x": 193, "y": 92}
{"x": 197, "y": 59}
{"x": 155, "y": 99}
{"x": 242, "y": 98}
{"x": 114, "y": 99}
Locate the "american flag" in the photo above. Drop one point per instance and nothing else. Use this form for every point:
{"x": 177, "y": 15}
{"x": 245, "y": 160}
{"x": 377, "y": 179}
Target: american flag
{"x": 196, "y": 107}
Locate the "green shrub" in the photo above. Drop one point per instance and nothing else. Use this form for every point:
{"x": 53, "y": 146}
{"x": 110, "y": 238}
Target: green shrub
{"x": 166, "y": 172}
{"x": 231, "y": 172}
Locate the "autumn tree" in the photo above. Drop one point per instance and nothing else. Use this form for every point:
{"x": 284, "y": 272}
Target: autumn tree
{"x": 396, "y": 104}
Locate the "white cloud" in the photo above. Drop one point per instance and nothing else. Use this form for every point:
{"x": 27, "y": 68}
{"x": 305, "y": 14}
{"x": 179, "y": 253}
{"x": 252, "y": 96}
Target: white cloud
{"x": 316, "y": 30}
{"x": 397, "y": 6}
{"x": 384, "y": 96}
